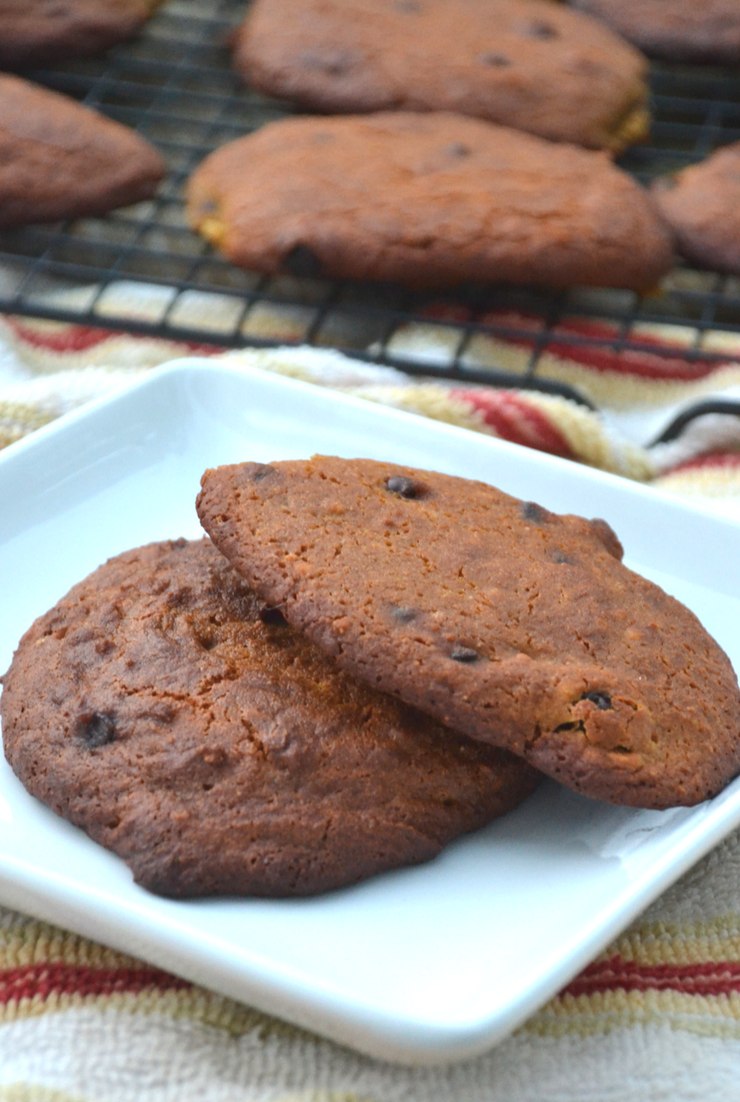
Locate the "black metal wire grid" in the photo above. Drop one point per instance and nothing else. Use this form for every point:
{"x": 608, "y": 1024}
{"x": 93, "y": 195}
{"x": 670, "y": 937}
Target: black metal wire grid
{"x": 174, "y": 84}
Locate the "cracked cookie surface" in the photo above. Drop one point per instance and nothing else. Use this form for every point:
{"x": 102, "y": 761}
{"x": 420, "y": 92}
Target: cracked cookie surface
{"x": 162, "y": 708}
{"x": 497, "y": 617}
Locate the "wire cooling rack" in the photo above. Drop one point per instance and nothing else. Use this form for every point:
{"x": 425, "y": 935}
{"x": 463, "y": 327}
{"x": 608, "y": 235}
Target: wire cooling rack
{"x": 175, "y": 85}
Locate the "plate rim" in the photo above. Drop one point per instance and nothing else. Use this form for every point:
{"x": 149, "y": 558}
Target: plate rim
{"x": 460, "y": 1041}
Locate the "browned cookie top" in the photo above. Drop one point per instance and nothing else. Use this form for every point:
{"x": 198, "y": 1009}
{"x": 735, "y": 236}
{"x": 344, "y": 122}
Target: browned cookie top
{"x": 34, "y": 32}
{"x": 524, "y": 63}
{"x": 61, "y": 160}
{"x": 702, "y": 206}
{"x": 497, "y": 617}
{"x": 428, "y": 199}
{"x": 161, "y": 708}
{"x": 677, "y": 30}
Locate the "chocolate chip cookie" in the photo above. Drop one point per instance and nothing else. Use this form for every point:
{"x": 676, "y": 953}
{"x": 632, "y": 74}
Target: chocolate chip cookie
{"x": 528, "y": 64}
{"x": 673, "y": 29}
{"x": 35, "y": 32}
{"x": 519, "y": 627}
{"x": 165, "y": 710}
{"x": 702, "y": 206}
{"x": 59, "y": 159}
{"x": 426, "y": 200}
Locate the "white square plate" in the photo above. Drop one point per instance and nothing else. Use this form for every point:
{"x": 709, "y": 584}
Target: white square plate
{"x": 423, "y": 965}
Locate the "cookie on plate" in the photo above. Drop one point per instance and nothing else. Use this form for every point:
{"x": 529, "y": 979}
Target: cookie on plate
{"x": 59, "y": 159}
{"x": 528, "y": 64}
{"x": 673, "y": 29}
{"x": 519, "y": 627}
{"x": 35, "y": 32}
{"x": 702, "y": 205}
{"x": 163, "y": 709}
{"x": 428, "y": 200}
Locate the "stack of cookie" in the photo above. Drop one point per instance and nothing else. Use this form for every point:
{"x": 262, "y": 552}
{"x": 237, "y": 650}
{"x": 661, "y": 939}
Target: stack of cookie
{"x": 330, "y": 686}
{"x": 59, "y": 159}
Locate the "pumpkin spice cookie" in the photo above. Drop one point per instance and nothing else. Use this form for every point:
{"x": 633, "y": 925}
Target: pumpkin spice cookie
{"x": 702, "y": 206}
{"x": 519, "y": 627}
{"x": 162, "y": 708}
{"x": 59, "y": 159}
{"x": 673, "y": 29}
{"x": 427, "y": 200}
{"x": 35, "y": 32}
{"x": 528, "y": 64}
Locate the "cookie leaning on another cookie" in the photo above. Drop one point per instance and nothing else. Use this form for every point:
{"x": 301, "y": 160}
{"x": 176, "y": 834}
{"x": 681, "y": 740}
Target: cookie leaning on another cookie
{"x": 59, "y": 159}
{"x": 427, "y": 200}
{"x": 161, "y": 709}
{"x": 517, "y": 626}
{"x": 702, "y": 206}
{"x": 35, "y": 32}
{"x": 528, "y": 64}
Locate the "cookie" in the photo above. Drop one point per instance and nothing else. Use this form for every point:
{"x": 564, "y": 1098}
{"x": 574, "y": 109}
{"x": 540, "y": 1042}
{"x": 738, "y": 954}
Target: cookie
{"x": 527, "y": 64}
{"x": 702, "y": 206}
{"x": 61, "y": 160}
{"x": 162, "y": 708}
{"x": 519, "y": 627}
{"x": 35, "y": 32}
{"x": 427, "y": 200}
{"x": 673, "y": 29}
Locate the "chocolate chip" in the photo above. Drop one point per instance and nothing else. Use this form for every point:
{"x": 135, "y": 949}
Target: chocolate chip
{"x": 407, "y": 6}
{"x": 588, "y": 66}
{"x": 96, "y": 729}
{"x": 333, "y": 62}
{"x": 561, "y": 558}
{"x": 602, "y": 700}
{"x": 538, "y": 28}
{"x": 607, "y": 537}
{"x": 261, "y": 470}
{"x": 495, "y": 61}
{"x": 531, "y": 511}
{"x": 272, "y": 616}
{"x": 457, "y": 149}
{"x": 464, "y": 654}
{"x": 405, "y": 487}
{"x": 302, "y": 261}
{"x": 403, "y": 614}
